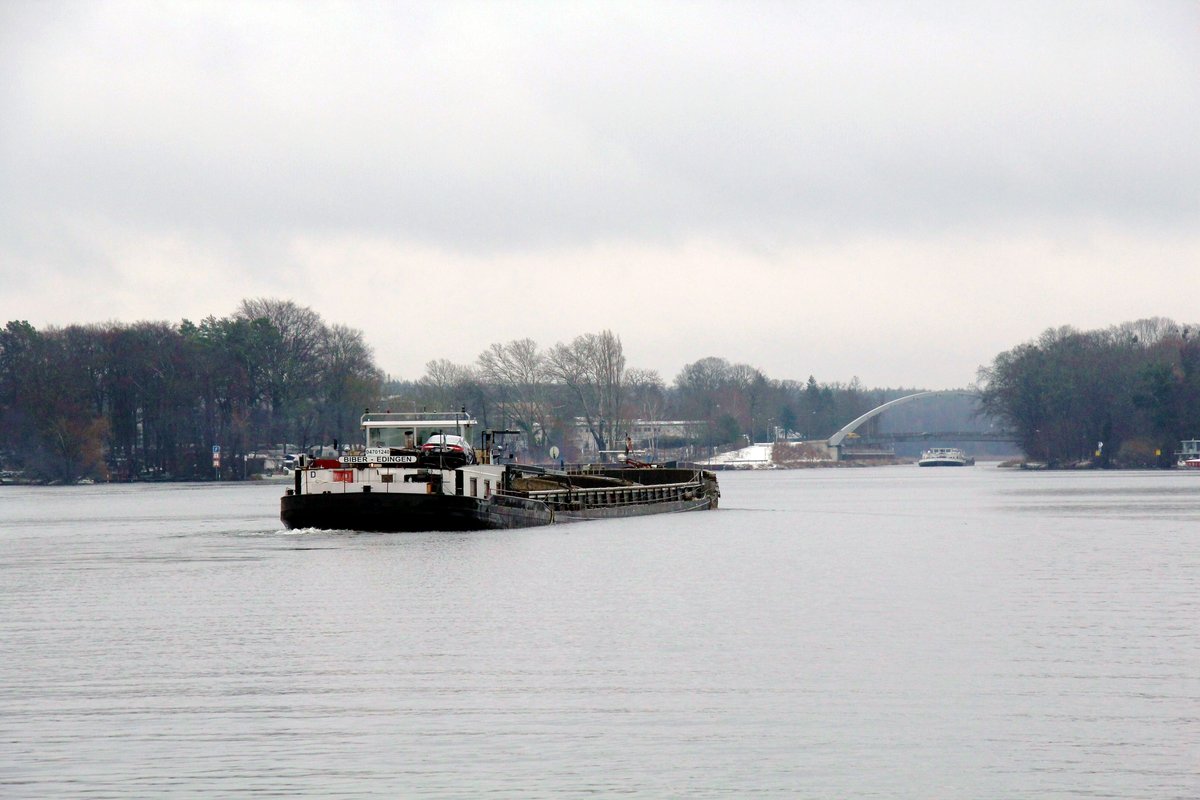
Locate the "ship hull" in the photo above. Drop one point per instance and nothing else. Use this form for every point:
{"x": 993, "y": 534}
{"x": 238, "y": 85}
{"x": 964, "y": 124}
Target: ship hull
{"x": 407, "y": 512}
{"x": 378, "y": 512}
{"x": 398, "y": 513}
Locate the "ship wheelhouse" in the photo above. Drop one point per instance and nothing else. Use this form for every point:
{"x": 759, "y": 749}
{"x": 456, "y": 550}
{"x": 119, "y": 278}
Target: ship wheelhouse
{"x": 412, "y": 430}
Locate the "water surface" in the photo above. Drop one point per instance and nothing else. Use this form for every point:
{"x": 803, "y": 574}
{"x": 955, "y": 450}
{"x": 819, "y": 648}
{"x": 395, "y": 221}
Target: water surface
{"x": 886, "y": 632}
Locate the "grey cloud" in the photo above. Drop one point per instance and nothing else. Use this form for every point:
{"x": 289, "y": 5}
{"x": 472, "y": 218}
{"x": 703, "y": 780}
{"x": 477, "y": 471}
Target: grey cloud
{"x": 516, "y": 126}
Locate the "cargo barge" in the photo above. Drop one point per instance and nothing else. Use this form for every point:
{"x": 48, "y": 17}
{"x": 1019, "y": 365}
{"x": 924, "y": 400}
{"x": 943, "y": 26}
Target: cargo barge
{"x": 420, "y": 472}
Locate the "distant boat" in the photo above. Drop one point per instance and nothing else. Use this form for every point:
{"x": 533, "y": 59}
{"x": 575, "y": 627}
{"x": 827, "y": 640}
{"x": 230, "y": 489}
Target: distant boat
{"x": 945, "y": 457}
{"x": 1189, "y": 454}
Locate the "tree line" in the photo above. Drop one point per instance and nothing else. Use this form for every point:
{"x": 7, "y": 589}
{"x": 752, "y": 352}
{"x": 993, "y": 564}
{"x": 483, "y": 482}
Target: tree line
{"x": 545, "y": 393}
{"x": 1124, "y": 396}
{"x": 149, "y": 400}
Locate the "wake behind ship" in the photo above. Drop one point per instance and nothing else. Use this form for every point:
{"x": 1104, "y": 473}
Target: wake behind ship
{"x": 420, "y": 472}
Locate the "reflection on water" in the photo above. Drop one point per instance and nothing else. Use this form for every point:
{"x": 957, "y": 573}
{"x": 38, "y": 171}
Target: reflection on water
{"x": 889, "y": 632}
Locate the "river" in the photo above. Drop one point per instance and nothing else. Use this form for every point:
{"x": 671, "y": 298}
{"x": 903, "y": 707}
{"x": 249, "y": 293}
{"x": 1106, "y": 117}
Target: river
{"x": 887, "y": 632}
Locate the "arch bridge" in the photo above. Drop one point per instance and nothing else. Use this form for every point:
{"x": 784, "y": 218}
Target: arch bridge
{"x": 838, "y": 439}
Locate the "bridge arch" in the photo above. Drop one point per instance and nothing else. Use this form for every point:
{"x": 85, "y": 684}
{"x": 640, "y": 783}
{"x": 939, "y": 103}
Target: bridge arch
{"x": 835, "y": 441}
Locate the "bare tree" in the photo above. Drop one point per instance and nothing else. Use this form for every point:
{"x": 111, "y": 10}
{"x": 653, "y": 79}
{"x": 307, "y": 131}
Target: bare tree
{"x": 349, "y": 380}
{"x": 293, "y": 358}
{"x": 593, "y": 368}
{"x": 699, "y": 385}
{"x": 445, "y": 384}
{"x": 1147, "y": 332}
{"x": 517, "y": 370}
{"x": 647, "y": 395}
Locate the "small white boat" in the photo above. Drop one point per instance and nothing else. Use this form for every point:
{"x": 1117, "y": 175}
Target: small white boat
{"x": 944, "y": 457}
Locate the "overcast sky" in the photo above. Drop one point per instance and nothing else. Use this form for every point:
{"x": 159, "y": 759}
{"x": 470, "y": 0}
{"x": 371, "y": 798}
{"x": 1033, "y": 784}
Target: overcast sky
{"x": 894, "y": 191}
